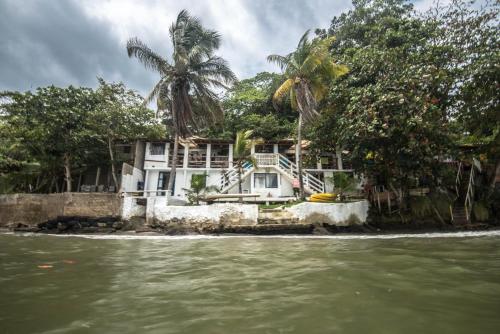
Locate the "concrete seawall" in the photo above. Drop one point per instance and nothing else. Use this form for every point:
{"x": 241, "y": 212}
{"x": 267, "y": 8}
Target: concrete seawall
{"x": 31, "y": 209}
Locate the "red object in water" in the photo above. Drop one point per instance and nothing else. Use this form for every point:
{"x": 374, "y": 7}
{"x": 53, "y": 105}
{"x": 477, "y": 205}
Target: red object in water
{"x": 45, "y": 266}
{"x": 69, "y": 261}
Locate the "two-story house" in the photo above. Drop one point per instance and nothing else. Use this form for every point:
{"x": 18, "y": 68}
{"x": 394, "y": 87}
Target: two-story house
{"x": 271, "y": 179}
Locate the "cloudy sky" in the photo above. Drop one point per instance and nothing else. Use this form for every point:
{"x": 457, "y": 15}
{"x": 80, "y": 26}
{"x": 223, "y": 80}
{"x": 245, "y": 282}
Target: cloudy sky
{"x": 65, "y": 42}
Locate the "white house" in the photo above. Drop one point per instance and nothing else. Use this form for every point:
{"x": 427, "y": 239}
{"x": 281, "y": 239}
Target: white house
{"x": 271, "y": 180}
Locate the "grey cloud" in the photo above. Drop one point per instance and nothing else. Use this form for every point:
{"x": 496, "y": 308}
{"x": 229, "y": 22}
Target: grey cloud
{"x": 61, "y": 43}
{"x": 54, "y": 42}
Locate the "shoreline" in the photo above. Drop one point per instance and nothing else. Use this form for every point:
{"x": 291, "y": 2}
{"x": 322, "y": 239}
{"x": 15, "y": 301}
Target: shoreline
{"x": 343, "y": 236}
{"x": 303, "y": 230}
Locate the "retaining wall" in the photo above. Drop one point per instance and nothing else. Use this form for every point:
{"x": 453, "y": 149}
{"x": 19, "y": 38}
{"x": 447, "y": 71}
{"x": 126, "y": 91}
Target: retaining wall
{"x": 218, "y": 213}
{"x": 31, "y": 209}
{"x": 339, "y": 214}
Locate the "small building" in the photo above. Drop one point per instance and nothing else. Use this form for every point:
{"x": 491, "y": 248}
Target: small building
{"x": 270, "y": 180}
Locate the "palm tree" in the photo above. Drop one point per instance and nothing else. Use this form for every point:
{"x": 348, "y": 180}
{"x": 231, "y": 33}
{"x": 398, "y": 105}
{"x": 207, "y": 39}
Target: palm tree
{"x": 308, "y": 72}
{"x": 191, "y": 77}
{"x": 242, "y": 155}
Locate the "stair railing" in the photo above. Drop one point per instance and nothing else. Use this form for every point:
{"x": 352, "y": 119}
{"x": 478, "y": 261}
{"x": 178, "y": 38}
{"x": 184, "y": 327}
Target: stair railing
{"x": 469, "y": 197}
{"x": 458, "y": 179}
{"x": 231, "y": 176}
{"x": 291, "y": 169}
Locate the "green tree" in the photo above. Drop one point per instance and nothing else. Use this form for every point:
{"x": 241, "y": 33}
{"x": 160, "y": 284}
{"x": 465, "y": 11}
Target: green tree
{"x": 392, "y": 111}
{"x": 199, "y": 188}
{"x": 193, "y": 74}
{"x": 308, "y": 72}
{"x": 248, "y": 106}
{"x": 342, "y": 182}
{"x": 471, "y": 34}
{"x": 120, "y": 116}
{"x": 242, "y": 155}
{"x": 52, "y": 125}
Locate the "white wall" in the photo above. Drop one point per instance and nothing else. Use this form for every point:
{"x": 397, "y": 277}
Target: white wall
{"x": 226, "y": 213}
{"x": 340, "y": 214}
{"x": 286, "y": 187}
{"x": 130, "y": 208}
{"x": 129, "y": 181}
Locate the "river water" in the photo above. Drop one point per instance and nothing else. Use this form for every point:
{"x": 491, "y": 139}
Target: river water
{"x": 347, "y": 284}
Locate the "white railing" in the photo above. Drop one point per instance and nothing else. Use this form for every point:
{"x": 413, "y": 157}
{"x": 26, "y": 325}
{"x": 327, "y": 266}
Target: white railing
{"x": 458, "y": 179}
{"x": 469, "y": 197}
{"x": 230, "y": 177}
{"x": 278, "y": 161}
{"x": 289, "y": 168}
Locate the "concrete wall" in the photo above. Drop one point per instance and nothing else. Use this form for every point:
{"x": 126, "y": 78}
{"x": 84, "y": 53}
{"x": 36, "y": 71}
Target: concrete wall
{"x": 31, "y": 209}
{"x": 219, "y": 213}
{"x": 130, "y": 177}
{"x": 340, "y": 214}
{"x": 131, "y": 208}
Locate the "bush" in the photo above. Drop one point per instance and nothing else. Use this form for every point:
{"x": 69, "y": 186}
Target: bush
{"x": 442, "y": 202}
{"x": 480, "y": 211}
{"x": 420, "y": 206}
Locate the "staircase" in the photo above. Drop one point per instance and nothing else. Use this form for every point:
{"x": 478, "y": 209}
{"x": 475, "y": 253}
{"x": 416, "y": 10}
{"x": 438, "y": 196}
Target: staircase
{"x": 229, "y": 178}
{"x": 280, "y": 163}
{"x": 464, "y": 186}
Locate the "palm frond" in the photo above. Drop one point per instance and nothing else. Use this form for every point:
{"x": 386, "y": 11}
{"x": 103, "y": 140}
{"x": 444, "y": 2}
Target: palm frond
{"x": 282, "y": 91}
{"x": 151, "y": 60}
{"x": 281, "y": 61}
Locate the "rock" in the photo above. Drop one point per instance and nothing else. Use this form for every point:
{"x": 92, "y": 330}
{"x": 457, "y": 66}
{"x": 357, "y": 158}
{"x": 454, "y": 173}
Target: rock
{"x": 62, "y": 226}
{"x": 320, "y": 230}
{"x": 26, "y": 229}
{"x": 117, "y": 225}
{"x": 90, "y": 229}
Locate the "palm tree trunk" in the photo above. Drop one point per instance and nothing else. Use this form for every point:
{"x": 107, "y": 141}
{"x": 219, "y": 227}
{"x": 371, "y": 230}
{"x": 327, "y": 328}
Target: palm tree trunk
{"x": 173, "y": 168}
{"x": 299, "y": 156}
{"x": 240, "y": 188}
{"x": 112, "y": 160}
{"x": 67, "y": 171}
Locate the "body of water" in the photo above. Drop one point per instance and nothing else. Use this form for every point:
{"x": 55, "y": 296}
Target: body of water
{"x": 347, "y": 284}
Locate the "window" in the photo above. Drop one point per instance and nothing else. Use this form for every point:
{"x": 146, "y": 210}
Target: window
{"x": 127, "y": 149}
{"x": 157, "y": 149}
{"x": 265, "y": 180}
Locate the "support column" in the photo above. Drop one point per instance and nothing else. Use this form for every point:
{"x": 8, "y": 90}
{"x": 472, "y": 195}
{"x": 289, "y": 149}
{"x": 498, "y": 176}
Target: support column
{"x": 338, "y": 153}
{"x": 275, "y": 148}
{"x": 146, "y": 179}
{"x": 230, "y": 155}
{"x": 209, "y": 155}
{"x": 186, "y": 156}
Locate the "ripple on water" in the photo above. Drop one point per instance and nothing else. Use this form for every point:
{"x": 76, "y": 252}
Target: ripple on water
{"x": 344, "y": 284}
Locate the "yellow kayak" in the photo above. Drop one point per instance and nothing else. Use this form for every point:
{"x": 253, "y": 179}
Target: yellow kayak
{"x": 323, "y": 198}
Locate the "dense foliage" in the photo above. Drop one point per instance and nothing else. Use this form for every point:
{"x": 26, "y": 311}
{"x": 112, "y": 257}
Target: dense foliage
{"x": 53, "y": 131}
{"x": 248, "y": 105}
{"x": 417, "y": 85}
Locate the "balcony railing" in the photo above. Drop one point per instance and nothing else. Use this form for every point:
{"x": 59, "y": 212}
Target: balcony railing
{"x": 219, "y": 161}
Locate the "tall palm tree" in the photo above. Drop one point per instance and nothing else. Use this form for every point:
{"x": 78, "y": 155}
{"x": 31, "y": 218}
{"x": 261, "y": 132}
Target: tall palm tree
{"x": 309, "y": 71}
{"x": 191, "y": 77}
{"x": 242, "y": 154}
